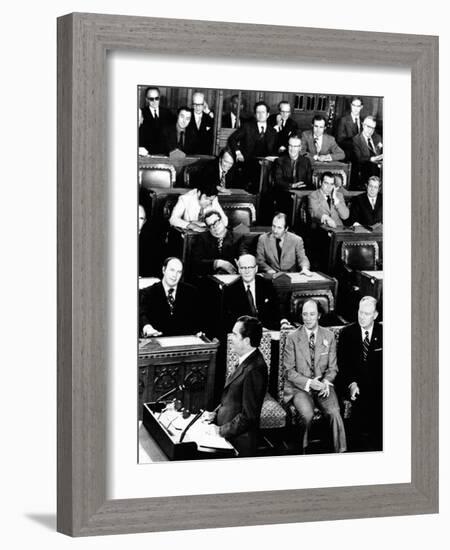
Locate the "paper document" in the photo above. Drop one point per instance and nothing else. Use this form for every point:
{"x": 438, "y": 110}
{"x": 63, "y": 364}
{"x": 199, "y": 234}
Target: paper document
{"x": 168, "y": 341}
{"x": 300, "y": 278}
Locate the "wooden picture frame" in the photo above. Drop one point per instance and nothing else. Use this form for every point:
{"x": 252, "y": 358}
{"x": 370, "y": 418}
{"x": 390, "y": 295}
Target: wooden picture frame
{"x": 83, "y": 42}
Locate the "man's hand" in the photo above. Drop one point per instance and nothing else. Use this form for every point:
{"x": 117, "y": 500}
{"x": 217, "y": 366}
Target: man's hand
{"x": 143, "y": 152}
{"x": 329, "y": 221}
{"x": 305, "y": 271}
{"x": 356, "y": 224}
{"x": 335, "y": 197}
{"x": 285, "y": 324}
{"x": 209, "y": 416}
{"x": 326, "y": 390}
{"x": 297, "y": 184}
{"x": 376, "y": 159}
{"x": 324, "y": 158}
{"x": 207, "y": 110}
{"x": 199, "y": 227}
{"x": 226, "y": 266}
{"x": 239, "y": 156}
{"x": 354, "y": 391}
{"x": 317, "y": 385}
{"x": 149, "y": 331}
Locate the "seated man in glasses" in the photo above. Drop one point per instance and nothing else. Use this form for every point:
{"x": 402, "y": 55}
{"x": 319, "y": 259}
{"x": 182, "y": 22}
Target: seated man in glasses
{"x": 215, "y": 250}
{"x": 152, "y": 119}
{"x": 251, "y": 295}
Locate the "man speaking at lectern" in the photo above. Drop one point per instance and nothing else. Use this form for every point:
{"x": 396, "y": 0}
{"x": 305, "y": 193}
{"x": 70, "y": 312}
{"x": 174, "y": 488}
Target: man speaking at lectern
{"x": 237, "y": 415}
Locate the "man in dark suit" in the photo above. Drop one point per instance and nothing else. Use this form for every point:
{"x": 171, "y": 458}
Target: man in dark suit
{"x": 360, "y": 359}
{"x": 318, "y": 145}
{"x": 219, "y": 172}
{"x": 152, "y": 119}
{"x": 170, "y": 308}
{"x": 215, "y": 250}
{"x": 310, "y": 370}
{"x": 237, "y": 415}
{"x": 251, "y": 295}
{"x": 180, "y": 135}
{"x": 236, "y": 117}
{"x": 367, "y": 152}
{"x": 253, "y": 140}
{"x": 202, "y": 124}
{"x": 290, "y": 171}
{"x": 283, "y": 124}
{"x": 349, "y": 126}
{"x": 367, "y": 209}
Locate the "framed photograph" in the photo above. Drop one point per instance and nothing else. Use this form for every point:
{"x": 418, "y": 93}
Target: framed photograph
{"x": 93, "y": 51}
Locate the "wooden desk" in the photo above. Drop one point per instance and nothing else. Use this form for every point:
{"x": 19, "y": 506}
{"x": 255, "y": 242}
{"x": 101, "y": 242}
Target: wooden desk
{"x": 340, "y": 234}
{"x": 177, "y": 162}
{"x": 166, "y": 363}
{"x": 370, "y": 283}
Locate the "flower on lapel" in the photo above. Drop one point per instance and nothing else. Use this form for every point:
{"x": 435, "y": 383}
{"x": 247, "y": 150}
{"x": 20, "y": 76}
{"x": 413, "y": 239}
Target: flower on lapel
{"x": 325, "y": 342}
{"x": 266, "y": 300}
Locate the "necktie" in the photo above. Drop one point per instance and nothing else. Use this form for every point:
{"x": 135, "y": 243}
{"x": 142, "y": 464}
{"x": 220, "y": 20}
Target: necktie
{"x": 282, "y": 124}
{"x": 371, "y": 146}
{"x": 171, "y": 300}
{"x": 222, "y": 179}
{"x": 312, "y": 351}
{"x": 201, "y": 214}
{"x": 155, "y": 114}
{"x": 181, "y": 140}
{"x": 357, "y": 125}
{"x": 293, "y": 163}
{"x": 365, "y": 347}
{"x": 329, "y": 201}
{"x": 261, "y": 133}
{"x": 251, "y": 302}
{"x": 220, "y": 245}
{"x": 316, "y": 143}
{"x": 278, "y": 244}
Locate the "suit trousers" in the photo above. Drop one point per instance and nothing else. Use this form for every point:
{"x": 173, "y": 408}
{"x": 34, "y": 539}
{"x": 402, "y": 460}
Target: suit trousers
{"x": 305, "y": 402}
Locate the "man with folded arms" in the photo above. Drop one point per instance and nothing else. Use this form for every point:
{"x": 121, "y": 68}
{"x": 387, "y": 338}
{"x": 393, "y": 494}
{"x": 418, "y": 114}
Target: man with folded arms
{"x": 310, "y": 369}
{"x": 360, "y": 359}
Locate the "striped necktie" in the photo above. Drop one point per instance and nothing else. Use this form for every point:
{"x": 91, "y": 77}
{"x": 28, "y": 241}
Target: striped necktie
{"x": 312, "y": 351}
{"x": 171, "y": 300}
{"x": 365, "y": 347}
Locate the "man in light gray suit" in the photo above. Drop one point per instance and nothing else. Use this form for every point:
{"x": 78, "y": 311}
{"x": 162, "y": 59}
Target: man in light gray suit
{"x": 318, "y": 145}
{"x": 280, "y": 250}
{"x": 310, "y": 367}
{"x": 326, "y": 205}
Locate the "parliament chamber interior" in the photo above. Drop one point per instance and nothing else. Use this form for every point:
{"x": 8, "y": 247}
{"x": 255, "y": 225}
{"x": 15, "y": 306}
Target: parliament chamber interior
{"x": 265, "y": 205}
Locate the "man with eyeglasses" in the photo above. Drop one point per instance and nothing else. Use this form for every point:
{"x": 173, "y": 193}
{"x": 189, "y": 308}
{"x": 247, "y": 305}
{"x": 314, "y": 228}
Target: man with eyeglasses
{"x": 179, "y": 136}
{"x": 202, "y": 124}
{"x": 215, "y": 250}
{"x": 152, "y": 119}
{"x": 319, "y": 146}
{"x": 367, "y": 151}
{"x": 290, "y": 171}
{"x": 350, "y": 126}
{"x": 283, "y": 124}
{"x": 251, "y": 295}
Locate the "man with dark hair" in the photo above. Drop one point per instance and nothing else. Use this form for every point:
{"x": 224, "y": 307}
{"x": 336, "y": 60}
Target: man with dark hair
{"x": 252, "y": 295}
{"x": 310, "y": 370}
{"x": 360, "y": 359}
{"x": 179, "y": 135}
{"x": 290, "y": 171}
{"x": 253, "y": 140}
{"x": 318, "y": 145}
{"x": 215, "y": 250}
{"x": 202, "y": 124}
{"x": 367, "y": 209}
{"x": 235, "y": 118}
{"x": 283, "y": 124}
{"x": 191, "y": 207}
{"x": 170, "y": 307}
{"x": 367, "y": 151}
{"x": 152, "y": 119}
{"x": 326, "y": 204}
{"x": 349, "y": 126}
{"x": 281, "y": 250}
{"x": 237, "y": 415}
{"x": 220, "y": 172}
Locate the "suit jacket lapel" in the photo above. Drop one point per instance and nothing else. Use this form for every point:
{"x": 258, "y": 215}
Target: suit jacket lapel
{"x": 238, "y": 371}
{"x": 304, "y": 346}
{"x": 273, "y": 248}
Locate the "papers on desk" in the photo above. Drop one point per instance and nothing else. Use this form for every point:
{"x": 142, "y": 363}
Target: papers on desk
{"x": 300, "y": 278}
{"x": 374, "y": 274}
{"x": 226, "y": 279}
{"x": 169, "y": 341}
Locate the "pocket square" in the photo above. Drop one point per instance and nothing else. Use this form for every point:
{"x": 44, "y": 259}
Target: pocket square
{"x": 378, "y": 349}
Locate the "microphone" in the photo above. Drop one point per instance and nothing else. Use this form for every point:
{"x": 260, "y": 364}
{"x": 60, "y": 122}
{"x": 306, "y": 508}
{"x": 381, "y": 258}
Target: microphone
{"x": 180, "y": 387}
{"x": 196, "y": 417}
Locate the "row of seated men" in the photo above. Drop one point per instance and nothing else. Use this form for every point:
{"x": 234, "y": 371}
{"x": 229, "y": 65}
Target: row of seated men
{"x": 318, "y": 373}
{"x": 199, "y": 210}
{"x": 264, "y": 135}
